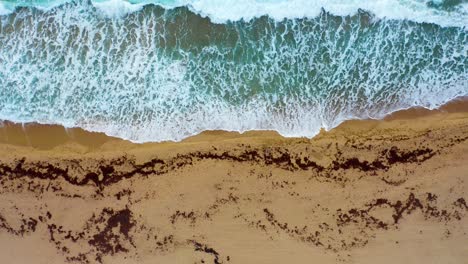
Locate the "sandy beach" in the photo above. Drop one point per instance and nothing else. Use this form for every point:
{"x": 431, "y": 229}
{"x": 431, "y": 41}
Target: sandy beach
{"x": 368, "y": 191}
{"x": 233, "y": 132}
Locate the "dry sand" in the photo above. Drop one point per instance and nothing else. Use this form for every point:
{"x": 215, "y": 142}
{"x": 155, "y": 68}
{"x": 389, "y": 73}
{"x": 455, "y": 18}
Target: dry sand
{"x": 388, "y": 191}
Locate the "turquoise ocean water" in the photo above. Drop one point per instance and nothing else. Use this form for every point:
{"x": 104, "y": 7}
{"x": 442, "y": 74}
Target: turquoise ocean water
{"x": 166, "y": 70}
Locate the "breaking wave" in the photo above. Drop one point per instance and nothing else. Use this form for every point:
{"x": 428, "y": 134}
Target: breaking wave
{"x": 166, "y": 70}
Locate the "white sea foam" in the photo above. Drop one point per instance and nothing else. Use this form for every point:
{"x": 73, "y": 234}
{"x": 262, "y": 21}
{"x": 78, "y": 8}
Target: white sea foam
{"x": 117, "y": 8}
{"x": 221, "y": 11}
{"x": 3, "y": 10}
{"x": 129, "y": 77}
{"x": 414, "y": 10}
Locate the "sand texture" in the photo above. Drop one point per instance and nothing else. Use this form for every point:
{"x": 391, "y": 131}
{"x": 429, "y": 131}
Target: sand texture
{"x": 389, "y": 191}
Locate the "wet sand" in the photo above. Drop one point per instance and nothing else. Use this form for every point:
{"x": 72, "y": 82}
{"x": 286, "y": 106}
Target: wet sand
{"x": 368, "y": 191}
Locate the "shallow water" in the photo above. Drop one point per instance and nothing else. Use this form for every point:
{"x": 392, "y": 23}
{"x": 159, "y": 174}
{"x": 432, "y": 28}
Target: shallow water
{"x": 171, "y": 69}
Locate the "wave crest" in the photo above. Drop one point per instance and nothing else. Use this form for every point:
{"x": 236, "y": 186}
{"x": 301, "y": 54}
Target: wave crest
{"x": 441, "y": 12}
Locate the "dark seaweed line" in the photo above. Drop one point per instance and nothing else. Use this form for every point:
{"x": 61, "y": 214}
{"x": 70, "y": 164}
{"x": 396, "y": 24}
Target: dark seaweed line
{"x": 284, "y": 160}
{"x": 426, "y": 205}
{"x": 322, "y": 236}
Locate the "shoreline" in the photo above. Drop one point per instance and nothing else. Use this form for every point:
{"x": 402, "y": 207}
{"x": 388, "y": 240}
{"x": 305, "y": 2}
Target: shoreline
{"x": 367, "y": 191}
{"x": 235, "y": 132}
{"x": 48, "y": 136}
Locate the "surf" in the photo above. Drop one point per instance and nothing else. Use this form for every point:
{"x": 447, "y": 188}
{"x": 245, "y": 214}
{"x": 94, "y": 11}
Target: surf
{"x": 441, "y": 12}
{"x": 170, "y": 71}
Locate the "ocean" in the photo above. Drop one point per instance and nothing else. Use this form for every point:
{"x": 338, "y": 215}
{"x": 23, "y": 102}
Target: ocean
{"x": 169, "y": 69}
